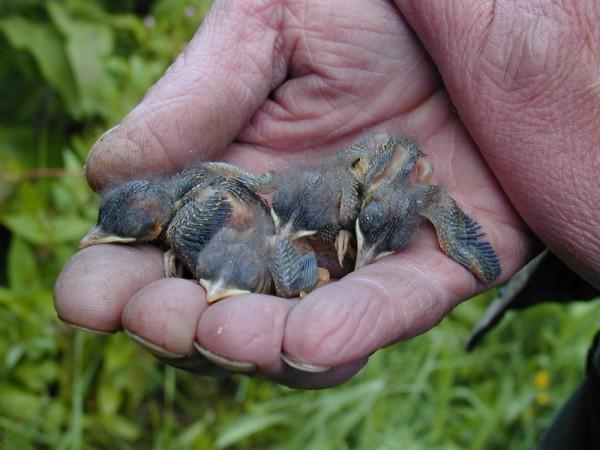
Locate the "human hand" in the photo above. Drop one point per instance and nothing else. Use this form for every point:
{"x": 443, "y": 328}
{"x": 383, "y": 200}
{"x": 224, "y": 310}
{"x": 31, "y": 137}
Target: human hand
{"x": 524, "y": 78}
{"x": 269, "y": 85}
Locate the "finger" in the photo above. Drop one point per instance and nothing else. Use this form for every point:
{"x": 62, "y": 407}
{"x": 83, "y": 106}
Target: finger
{"x": 246, "y": 328}
{"x": 395, "y": 298}
{"x": 249, "y": 330}
{"x": 204, "y": 99}
{"x": 530, "y": 105}
{"x": 163, "y": 316}
{"x": 96, "y": 283}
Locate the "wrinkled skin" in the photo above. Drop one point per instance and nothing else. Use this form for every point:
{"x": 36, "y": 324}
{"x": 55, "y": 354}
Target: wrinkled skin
{"x": 291, "y": 81}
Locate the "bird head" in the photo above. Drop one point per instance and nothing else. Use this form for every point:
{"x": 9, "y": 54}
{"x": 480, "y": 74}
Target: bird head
{"x": 372, "y": 232}
{"x": 388, "y": 219}
{"x": 232, "y": 263}
{"x": 133, "y": 212}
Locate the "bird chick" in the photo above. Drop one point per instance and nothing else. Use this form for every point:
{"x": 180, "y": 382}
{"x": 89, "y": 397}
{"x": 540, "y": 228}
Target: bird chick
{"x": 206, "y": 209}
{"x": 393, "y": 210}
{"x": 324, "y": 201}
{"x": 256, "y": 260}
{"x": 140, "y": 210}
{"x": 388, "y": 219}
{"x": 234, "y": 262}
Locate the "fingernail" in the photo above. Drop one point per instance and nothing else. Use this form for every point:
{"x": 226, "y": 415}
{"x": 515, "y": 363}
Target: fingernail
{"x": 86, "y": 329}
{"x": 153, "y": 348}
{"x": 225, "y": 363}
{"x": 90, "y": 157}
{"x": 304, "y": 367}
{"x": 99, "y": 141}
{"x": 106, "y": 133}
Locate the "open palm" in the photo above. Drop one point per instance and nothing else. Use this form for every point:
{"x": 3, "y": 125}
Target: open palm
{"x": 269, "y": 85}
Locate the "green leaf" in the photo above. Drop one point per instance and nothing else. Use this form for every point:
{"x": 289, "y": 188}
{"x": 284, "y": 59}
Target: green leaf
{"x": 87, "y": 46}
{"x": 18, "y": 404}
{"x": 46, "y": 46}
{"x": 45, "y": 230}
{"x": 121, "y": 426}
{"x": 22, "y": 265}
{"x": 109, "y": 399}
{"x": 248, "y": 426}
{"x": 16, "y": 144}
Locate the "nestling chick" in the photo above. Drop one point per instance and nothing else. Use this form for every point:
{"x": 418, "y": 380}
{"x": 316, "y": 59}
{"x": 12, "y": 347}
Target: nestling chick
{"x": 140, "y": 210}
{"x": 255, "y": 260}
{"x": 205, "y": 210}
{"x": 392, "y": 211}
{"x": 324, "y": 201}
{"x": 234, "y": 262}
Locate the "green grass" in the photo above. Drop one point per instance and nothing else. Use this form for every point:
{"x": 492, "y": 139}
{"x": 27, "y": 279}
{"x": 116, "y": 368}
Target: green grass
{"x": 67, "y": 390}
{"x": 71, "y": 390}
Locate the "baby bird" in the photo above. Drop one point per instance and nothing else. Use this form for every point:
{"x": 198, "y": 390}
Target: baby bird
{"x": 140, "y": 210}
{"x": 324, "y": 201}
{"x": 233, "y": 262}
{"x": 206, "y": 209}
{"x": 393, "y": 210}
{"x": 256, "y": 260}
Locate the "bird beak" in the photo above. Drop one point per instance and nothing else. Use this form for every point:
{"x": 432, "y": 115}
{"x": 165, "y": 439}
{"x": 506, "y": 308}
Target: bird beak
{"x": 286, "y": 231}
{"x": 276, "y": 220}
{"x": 301, "y": 233}
{"x": 216, "y": 291}
{"x": 363, "y": 256}
{"x": 97, "y": 236}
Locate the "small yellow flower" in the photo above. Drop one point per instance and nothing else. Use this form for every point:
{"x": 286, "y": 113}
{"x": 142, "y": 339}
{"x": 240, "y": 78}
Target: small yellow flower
{"x": 542, "y": 379}
{"x": 542, "y": 399}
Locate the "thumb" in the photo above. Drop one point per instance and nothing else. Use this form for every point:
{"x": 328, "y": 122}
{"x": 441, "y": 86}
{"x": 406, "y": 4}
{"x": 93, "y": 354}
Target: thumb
{"x": 204, "y": 99}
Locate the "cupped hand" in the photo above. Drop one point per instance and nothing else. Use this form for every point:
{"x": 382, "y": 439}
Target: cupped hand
{"x": 269, "y": 85}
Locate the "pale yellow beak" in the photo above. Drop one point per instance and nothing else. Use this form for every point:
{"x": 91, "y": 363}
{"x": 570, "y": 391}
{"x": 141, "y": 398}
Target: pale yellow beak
{"x": 97, "y": 236}
{"x": 365, "y": 256}
{"x": 301, "y": 233}
{"x": 276, "y": 220}
{"x": 216, "y": 291}
{"x": 286, "y": 230}
{"x": 361, "y": 258}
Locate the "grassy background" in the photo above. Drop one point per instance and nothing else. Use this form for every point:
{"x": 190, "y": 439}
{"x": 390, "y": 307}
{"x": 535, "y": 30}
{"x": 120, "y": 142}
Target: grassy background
{"x": 69, "y": 70}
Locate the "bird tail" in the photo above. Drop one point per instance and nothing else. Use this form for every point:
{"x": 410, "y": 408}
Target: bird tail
{"x": 461, "y": 237}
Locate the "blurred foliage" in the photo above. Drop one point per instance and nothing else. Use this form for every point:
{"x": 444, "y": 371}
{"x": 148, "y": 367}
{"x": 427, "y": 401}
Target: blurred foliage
{"x": 71, "y": 69}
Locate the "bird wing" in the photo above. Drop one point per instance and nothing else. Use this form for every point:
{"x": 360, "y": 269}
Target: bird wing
{"x": 195, "y": 224}
{"x": 460, "y": 237}
{"x": 254, "y": 181}
{"x": 292, "y": 272}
